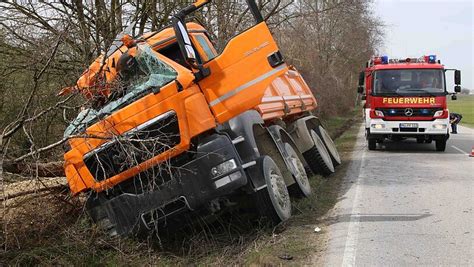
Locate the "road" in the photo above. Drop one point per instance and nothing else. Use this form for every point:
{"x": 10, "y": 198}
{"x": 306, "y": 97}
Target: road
{"x": 405, "y": 204}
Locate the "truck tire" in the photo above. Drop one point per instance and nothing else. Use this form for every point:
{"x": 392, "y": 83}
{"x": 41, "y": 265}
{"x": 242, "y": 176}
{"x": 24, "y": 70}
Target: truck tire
{"x": 318, "y": 157}
{"x": 330, "y": 146}
{"x": 107, "y": 226}
{"x": 99, "y": 216}
{"x": 273, "y": 201}
{"x": 441, "y": 145}
{"x": 301, "y": 187}
{"x": 372, "y": 143}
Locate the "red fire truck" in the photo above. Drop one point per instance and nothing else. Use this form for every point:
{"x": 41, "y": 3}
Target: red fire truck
{"x": 406, "y": 98}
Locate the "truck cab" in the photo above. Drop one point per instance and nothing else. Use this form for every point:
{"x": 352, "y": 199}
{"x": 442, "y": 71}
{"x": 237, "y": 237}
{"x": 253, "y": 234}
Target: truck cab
{"x": 406, "y": 98}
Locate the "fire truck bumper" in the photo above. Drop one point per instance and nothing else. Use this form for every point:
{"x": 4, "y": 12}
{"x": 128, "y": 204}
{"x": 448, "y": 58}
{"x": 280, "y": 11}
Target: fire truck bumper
{"x": 409, "y": 128}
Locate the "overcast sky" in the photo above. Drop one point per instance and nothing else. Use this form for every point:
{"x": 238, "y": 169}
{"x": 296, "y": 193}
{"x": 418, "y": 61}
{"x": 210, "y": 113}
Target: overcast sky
{"x": 423, "y": 27}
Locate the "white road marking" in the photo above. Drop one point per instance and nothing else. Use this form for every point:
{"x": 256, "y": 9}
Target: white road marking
{"x": 460, "y": 150}
{"x": 350, "y": 248}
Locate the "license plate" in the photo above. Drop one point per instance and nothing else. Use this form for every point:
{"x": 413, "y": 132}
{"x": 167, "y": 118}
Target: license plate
{"x": 408, "y": 125}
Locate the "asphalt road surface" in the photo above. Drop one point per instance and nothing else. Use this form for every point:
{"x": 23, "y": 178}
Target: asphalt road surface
{"x": 405, "y": 204}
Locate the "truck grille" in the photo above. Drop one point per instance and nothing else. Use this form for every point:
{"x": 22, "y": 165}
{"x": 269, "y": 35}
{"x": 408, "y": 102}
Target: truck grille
{"x": 134, "y": 147}
{"x": 416, "y": 112}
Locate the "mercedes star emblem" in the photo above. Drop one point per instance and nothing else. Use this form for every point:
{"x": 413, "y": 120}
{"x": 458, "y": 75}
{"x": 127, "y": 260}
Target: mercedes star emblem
{"x": 408, "y": 112}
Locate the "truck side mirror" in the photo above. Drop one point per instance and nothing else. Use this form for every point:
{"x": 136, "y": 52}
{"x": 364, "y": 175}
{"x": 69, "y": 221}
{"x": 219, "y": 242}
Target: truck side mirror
{"x": 457, "y": 77}
{"x": 360, "y": 88}
{"x": 361, "y": 78}
{"x": 187, "y": 49}
{"x": 457, "y": 89}
{"x": 454, "y": 97}
{"x": 364, "y": 97}
{"x": 184, "y": 42}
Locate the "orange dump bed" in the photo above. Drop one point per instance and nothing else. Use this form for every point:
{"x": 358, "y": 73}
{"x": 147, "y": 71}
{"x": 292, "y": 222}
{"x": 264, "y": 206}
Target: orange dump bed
{"x": 288, "y": 94}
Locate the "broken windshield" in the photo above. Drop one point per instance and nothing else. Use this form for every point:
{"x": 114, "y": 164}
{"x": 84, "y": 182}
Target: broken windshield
{"x": 150, "y": 75}
{"x": 408, "y": 82}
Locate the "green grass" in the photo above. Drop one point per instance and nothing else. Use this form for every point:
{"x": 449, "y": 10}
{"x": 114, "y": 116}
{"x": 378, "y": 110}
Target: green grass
{"x": 336, "y": 124}
{"x": 464, "y": 106}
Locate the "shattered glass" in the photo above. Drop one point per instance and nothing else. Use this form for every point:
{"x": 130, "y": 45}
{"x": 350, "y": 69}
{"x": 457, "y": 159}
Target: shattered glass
{"x": 153, "y": 73}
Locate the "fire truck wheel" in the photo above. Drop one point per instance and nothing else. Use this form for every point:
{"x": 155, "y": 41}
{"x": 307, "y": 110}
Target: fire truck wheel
{"x": 372, "y": 144}
{"x": 318, "y": 157}
{"x": 273, "y": 201}
{"x": 440, "y": 145}
{"x": 301, "y": 187}
{"x": 330, "y": 146}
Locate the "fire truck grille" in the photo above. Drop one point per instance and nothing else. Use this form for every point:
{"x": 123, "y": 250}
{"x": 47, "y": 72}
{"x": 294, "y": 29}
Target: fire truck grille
{"x": 132, "y": 148}
{"x": 404, "y": 112}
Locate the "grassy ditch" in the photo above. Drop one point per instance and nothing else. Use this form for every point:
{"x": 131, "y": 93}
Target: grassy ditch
{"x": 464, "y": 105}
{"x": 299, "y": 240}
{"x": 50, "y": 228}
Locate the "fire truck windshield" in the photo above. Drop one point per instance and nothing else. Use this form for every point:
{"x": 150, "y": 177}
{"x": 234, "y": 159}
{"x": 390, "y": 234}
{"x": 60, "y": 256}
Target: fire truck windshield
{"x": 409, "y": 82}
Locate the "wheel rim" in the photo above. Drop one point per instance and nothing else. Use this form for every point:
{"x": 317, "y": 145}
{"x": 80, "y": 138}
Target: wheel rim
{"x": 279, "y": 191}
{"x": 300, "y": 176}
{"x": 322, "y": 150}
{"x": 330, "y": 145}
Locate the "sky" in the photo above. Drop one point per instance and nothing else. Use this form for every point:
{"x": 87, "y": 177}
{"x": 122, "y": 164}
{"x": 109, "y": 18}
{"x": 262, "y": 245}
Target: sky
{"x": 444, "y": 28}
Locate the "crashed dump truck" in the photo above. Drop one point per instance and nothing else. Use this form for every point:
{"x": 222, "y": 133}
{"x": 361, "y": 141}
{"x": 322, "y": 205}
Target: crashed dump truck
{"x": 174, "y": 128}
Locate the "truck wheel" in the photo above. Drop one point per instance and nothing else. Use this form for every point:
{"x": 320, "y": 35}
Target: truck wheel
{"x": 440, "y": 145}
{"x": 330, "y": 146}
{"x": 99, "y": 215}
{"x": 372, "y": 144}
{"x": 301, "y": 187}
{"x": 107, "y": 226}
{"x": 318, "y": 157}
{"x": 273, "y": 201}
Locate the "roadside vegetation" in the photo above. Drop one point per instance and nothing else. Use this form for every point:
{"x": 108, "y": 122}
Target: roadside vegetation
{"x": 464, "y": 105}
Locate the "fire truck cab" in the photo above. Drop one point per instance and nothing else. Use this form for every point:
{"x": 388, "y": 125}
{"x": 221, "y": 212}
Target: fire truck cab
{"x": 406, "y": 98}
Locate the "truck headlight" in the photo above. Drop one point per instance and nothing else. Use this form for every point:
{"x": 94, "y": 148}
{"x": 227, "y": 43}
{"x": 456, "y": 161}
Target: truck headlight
{"x": 438, "y": 113}
{"x": 378, "y": 126}
{"x": 440, "y": 126}
{"x": 379, "y": 113}
{"x": 223, "y": 168}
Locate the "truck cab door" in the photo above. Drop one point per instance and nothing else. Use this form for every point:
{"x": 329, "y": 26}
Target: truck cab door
{"x": 240, "y": 75}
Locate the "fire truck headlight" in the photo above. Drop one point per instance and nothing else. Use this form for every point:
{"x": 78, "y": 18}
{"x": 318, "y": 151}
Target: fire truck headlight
{"x": 438, "y": 113}
{"x": 379, "y": 113}
{"x": 440, "y": 126}
{"x": 378, "y": 126}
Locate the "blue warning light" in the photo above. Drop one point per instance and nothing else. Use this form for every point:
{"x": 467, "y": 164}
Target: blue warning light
{"x": 432, "y": 58}
{"x": 384, "y": 59}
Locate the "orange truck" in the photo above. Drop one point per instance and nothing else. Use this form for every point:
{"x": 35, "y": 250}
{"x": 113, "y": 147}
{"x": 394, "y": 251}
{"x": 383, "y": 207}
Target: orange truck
{"x": 174, "y": 128}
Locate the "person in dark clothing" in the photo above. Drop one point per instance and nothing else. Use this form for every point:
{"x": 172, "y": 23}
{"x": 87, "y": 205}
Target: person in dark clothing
{"x": 454, "y": 119}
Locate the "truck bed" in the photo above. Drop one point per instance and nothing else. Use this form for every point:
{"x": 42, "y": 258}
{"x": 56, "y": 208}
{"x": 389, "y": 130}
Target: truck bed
{"x": 288, "y": 94}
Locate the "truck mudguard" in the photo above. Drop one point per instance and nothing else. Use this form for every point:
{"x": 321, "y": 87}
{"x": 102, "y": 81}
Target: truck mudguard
{"x": 300, "y": 132}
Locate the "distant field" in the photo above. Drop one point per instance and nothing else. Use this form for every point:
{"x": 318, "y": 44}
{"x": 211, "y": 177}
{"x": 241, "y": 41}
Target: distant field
{"x": 464, "y": 106}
